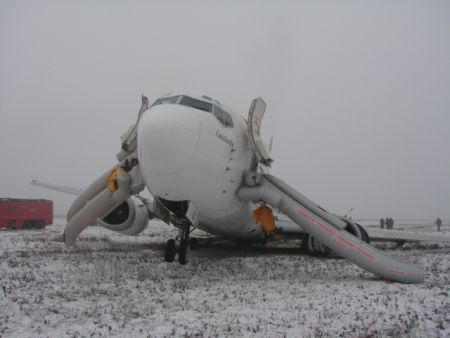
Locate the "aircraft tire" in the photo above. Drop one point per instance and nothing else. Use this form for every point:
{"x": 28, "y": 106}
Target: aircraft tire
{"x": 364, "y": 235}
{"x": 185, "y": 252}
{"x": 170, "y": 251}
{"x": 193, "y": 243}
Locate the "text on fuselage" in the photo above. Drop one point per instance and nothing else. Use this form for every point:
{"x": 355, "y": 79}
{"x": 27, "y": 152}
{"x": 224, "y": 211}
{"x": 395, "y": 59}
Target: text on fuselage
{"x": 225, "y": 139}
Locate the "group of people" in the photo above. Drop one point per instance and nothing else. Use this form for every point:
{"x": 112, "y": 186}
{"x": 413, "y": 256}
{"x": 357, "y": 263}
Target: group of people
{"x": 389, "y": 222}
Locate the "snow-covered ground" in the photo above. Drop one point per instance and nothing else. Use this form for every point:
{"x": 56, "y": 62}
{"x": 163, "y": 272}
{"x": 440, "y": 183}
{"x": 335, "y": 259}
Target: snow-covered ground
{"x": 113, "y": 285}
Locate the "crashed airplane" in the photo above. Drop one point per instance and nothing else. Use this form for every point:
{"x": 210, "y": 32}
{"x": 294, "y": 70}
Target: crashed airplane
{"x": 206, "y": 168}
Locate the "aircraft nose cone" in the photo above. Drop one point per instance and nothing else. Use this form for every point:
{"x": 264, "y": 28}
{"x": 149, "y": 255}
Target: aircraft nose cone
{"x": 167, "y": 139}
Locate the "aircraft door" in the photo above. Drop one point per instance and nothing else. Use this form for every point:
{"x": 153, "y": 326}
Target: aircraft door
{"x": 255, "y": 115}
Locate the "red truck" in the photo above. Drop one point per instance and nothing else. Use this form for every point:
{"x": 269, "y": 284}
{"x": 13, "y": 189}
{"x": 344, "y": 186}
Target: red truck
{"x": 25, "y": 213}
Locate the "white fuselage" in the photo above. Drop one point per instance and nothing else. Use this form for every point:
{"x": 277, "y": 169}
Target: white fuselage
{"x": 187, "y": 154}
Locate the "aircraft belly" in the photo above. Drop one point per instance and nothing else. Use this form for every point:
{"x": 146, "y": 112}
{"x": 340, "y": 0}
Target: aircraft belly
{"x": 238, "y": 226}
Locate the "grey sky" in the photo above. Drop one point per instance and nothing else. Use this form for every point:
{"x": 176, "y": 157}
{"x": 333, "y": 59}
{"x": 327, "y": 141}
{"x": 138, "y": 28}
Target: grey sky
{"x": 358, "y": 92}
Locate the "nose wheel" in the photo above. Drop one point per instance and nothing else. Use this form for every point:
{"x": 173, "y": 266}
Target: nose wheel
{"x": 184, "y": 253}
{"x": 181, "y": 246}
{"x": 170, "y": 251}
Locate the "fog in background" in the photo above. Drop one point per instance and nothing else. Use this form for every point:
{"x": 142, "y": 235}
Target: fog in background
{"x": 358, "y": 92}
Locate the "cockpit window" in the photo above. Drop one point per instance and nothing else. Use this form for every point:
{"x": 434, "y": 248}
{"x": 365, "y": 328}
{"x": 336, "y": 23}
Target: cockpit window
{"x": 223, "y": 116}
{"x": 197, "y": 104}
{"x": 217, "y": 111}
{"x": 167, "y": 100}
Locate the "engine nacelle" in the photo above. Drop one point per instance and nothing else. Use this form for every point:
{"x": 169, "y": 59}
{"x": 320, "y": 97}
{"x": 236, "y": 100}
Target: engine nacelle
{"x": 129, "y": 218}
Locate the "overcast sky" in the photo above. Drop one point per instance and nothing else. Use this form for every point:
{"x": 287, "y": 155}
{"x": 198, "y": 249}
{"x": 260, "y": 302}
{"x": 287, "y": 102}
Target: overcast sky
{"x": 358, "y": 92}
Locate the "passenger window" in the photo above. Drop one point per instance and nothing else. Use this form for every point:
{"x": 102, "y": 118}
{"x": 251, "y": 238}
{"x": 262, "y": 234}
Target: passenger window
{"x": 223, "y": 116}
{"x": 197, "y": 104}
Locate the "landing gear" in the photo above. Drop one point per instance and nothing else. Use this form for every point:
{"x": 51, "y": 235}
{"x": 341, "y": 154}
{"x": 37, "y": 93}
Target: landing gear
{"x": 181, "y": 246}
{"x": 185, "y": 252}
{"x": 193, "y": 242}
{"x": 170, "y": 251}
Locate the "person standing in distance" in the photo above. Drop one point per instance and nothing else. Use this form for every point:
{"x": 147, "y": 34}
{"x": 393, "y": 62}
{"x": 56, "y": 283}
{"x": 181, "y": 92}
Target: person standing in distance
{"x": 438, "y": 224}
{"x": 381, "y": 223}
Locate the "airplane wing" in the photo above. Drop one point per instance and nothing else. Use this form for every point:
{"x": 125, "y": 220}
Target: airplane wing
{"x": 383, "y": 235}
{"x": 286, "y": 227}
{"x": 61, "y": 188}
